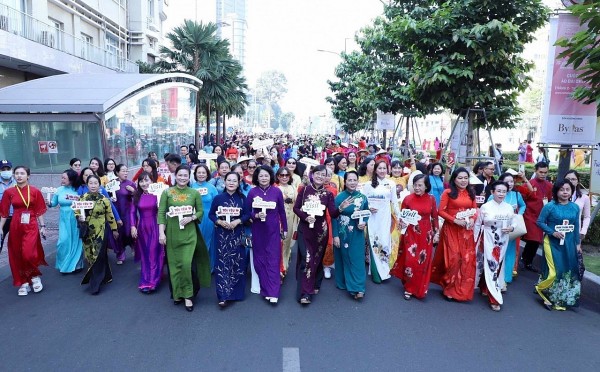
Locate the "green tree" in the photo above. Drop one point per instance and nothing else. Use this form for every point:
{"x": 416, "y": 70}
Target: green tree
{"x": 583, "y": 51}
{"x": 271, "y": 86}
{"x": 196, "y": 50}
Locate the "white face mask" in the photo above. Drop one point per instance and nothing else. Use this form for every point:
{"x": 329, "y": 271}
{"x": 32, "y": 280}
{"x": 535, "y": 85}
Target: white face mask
{"x": 6, "y": 175}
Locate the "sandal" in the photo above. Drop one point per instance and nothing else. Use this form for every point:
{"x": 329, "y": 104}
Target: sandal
{"x": 407, "y": 296}
{"x": 305, "y": 300}
{"x": 359, "y": 295}
{"x": 495, "y": 307}
{"x": 222, "y": 303}
{"x": 36, "y": 284}
{"x": 548, "y": 305}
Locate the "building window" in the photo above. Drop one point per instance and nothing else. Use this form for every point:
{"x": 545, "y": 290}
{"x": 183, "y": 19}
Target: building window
{"x": 151, "y": 9}
{"x": 112, "y": 51}
{"x": 86, "y": 46}
{"x": 53, "y": 37}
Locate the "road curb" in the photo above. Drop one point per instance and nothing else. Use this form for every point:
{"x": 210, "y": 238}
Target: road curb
{"x": 590, "y": 287}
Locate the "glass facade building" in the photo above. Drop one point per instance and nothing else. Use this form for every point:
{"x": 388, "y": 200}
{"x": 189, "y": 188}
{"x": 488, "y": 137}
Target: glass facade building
{"x": 151, "y": 113}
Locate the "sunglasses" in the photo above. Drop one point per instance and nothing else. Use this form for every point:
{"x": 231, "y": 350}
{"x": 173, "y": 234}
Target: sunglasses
{"x": 291, "y": 162}
{"x": 251, "y": 167}
{"x": 284, "y": 175}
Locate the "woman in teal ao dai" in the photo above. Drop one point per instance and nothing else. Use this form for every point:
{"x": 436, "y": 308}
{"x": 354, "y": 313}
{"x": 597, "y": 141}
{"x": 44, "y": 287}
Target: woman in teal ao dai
{"x": 560, "y": 283}
{"x": 349, "y": 239}
{"x": 208, "y": 193}
{"x": 69, "y": 248}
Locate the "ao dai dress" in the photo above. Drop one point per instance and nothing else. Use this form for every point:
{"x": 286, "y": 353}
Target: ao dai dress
{"x": 413, "y": 266}
{"x": 230, "y": 264}
{"x": 148, "y": 250}
{"x": 384, "y": 199}
{"x": 187, "y": 256}
{"x": 207, "y": 228}
{"x": 350, "y": 273}
{"x": 266, "y": 239}
{"x": 289, "y": 195}
{"x": 493, "y": 217}
{"x": 560, "y": 281}
{"x": 25, "y": 251}
{"x": 124, "y": 205}
{"x": 69, "y": 248}
{"x": 454, "y": 262}
{"x": 312, "y": 241}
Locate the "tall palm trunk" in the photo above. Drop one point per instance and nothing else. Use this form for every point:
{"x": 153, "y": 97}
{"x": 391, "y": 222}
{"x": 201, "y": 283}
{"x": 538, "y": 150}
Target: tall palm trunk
{"x": 218, "y": 127}
{"x": 224, "y": 127}
{"x": 207, "y": 122}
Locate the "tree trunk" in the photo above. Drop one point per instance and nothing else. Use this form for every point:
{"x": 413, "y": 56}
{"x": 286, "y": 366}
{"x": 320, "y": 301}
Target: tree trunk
{"x": 224, "y": 127}
{"x": 407, "y": 139}
{"x": 564, "y": 161}
{"x": 218, "y": 127}
{"x": 197, "y": 122}
{"x": 208, "y": 122}
{"x": 469, "y": 153}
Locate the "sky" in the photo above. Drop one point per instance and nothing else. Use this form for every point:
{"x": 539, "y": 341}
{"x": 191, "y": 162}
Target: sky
{"x": 285, "y": 35}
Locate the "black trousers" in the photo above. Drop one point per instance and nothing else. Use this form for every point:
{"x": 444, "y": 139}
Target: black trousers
{"x": 5, "y": 231}
{"x": 529, "y": 251}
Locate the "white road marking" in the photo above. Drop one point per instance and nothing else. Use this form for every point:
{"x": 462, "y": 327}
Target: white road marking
{"x": 291, "y": 359}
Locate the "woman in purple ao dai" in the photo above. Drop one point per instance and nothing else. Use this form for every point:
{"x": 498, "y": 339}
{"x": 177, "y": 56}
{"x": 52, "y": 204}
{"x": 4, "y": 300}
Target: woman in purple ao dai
{"x": 267, "y": 234}
{"x": 144, "y": 228}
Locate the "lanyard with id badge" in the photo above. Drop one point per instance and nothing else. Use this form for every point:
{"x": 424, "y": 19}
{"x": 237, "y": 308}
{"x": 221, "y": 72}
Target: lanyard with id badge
{"x": 25, "y": 216}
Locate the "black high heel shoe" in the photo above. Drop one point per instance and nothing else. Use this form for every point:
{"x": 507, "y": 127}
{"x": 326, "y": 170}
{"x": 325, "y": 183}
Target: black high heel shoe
{"x": 189, "y": 307}
{"x": 178, "y": 302}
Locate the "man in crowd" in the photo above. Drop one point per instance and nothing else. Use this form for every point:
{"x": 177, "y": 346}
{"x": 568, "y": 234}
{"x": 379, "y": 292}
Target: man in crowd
{"x": 6, "y": 180}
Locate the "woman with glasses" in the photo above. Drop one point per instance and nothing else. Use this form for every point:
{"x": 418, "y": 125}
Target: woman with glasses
{"x": 313, "y": 233}
{"x": 296, "y": 176}
{"x": 252, "y": 164}
{"x": 284, "y": 182}
{"x": 494, "y": 222}
{"x": 75, "y": 165}
{"x": 582, "y": 200}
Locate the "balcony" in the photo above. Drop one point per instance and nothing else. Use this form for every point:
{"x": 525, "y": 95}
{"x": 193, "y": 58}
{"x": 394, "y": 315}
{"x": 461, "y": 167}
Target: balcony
{"x": 25, "y": 26}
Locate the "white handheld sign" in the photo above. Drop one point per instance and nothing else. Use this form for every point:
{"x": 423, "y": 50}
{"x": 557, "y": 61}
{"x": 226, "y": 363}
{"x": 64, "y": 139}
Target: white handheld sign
{"x": 409, "y": 217}
{"x": 179, "y": 212}
{"x": 157, "y": 189}
{"x": 313, "y": 208}
{"x": 361, "y": 215}
{"x": 205, "y": 156}
{"x": 466, "y": 214}
{"x": 228, "y": 212}
{"x": 309, "y": 162}
{"x": 259, "y": 203}
{"x": 262, "y": 144}
{"x": 48, "y": 191}
{"x": 565, "y": 228}
{"x": 203, "y": 191}
{"x": 112, "y": 187}
{"x": 82, "y": 206}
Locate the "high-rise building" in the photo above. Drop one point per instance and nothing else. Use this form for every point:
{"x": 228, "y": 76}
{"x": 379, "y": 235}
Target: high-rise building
{"x": 48, "y": 37}
{"x": 232, "y": 25}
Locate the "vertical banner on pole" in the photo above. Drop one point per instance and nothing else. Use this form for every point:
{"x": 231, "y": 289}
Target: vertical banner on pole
{"x": 564, "y": 120}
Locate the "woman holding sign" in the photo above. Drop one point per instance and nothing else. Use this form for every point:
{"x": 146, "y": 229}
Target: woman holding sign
{"x": 144, "y": 229}
{"x": 69, "y": 248}
{"x": 349, "y": 238}
{"x": 124, "y": 204}
{"x": 419, "y": 217}
{"x": 310, "y": 207}
{"x": 227, "y": 212}
{"x": 454, "y": 262}
{"x": 269, "y": 227}
{"x": 381, "y": 193}
{"x": 98, "y": 217}
{"x": 208, "y": 193}
{"x": 187, "y": 257}
{"x": 494, "y": 222}
{"x": 25, "y": 251}
{"x": 560, "y": 282}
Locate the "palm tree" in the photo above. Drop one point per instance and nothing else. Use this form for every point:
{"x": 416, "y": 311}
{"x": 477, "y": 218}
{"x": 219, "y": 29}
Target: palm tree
{"x": 195, "y": 50}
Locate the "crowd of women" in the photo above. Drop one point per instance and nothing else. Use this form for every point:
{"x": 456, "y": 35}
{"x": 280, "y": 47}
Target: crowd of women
{"x": 356, "y": 213}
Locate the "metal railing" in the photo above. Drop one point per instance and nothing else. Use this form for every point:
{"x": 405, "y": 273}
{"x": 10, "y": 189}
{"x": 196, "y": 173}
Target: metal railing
{"x": 24, "y": 25}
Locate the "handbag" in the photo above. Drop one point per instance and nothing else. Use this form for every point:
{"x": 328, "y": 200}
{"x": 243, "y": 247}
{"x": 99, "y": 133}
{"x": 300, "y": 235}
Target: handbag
{"x": 520, "y": 228}
{"x": 84, "y": 229}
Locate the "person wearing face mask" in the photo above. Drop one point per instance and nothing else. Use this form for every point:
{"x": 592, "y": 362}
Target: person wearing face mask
{"x": 24, "y": 244}
{"x": 6, "y": 180}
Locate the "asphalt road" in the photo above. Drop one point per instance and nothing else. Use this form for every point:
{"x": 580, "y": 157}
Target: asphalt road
{"x": 64, "y": 328}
